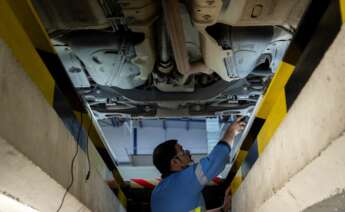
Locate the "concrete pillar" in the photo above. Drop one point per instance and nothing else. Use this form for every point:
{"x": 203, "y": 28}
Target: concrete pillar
{"x": 24, "y": 182}
{"x": 305, "y": 161}
{"x": 31, "y": 126}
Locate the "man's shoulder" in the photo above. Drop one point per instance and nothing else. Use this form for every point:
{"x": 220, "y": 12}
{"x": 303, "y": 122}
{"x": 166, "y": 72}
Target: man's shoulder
{"x": 165, "y": 186}
{"x": 174, "y": 179}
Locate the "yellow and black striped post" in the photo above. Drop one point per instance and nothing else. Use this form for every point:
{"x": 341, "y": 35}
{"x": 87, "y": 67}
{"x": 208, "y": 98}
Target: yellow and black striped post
{"x": 319, "y": 27}
{"x": 23, "y": 32}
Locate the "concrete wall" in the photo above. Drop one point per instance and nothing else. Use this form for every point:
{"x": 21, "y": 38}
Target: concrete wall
{"x": 304, "y": 162}
{"x": 151, "y": 134}
{"x": 30, "y": 124}
{"x": 193, "y": 139}
{"x": 120, "y": 141}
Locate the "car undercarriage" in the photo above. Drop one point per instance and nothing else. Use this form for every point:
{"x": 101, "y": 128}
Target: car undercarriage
{"x": 170, "y": 58}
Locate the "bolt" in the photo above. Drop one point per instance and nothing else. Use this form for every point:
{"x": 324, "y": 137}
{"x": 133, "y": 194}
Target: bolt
{"x": 125, "y": 4}
{"x": 206, "y": 17}
{"x": 147, "y": 108}
{"x": 210, "y": 2}
{"x": 204, "y": 79}
{"x": 197, "y": 107}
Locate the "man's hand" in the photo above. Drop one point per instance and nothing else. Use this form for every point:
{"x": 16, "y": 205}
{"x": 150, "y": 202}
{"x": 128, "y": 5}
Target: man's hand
{"x": 227, "y": 200}
{"x": 233, "y": 130}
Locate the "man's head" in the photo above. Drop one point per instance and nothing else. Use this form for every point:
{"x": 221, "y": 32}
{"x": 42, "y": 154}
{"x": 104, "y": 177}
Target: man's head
{"x": 169, "y": 156}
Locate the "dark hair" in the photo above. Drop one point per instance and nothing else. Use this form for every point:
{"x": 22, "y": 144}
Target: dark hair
{"x": 163, "y": 154}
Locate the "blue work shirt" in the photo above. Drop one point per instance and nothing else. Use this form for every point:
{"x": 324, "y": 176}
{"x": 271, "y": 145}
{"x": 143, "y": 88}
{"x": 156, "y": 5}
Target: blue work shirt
{"x": 181, "y": 191}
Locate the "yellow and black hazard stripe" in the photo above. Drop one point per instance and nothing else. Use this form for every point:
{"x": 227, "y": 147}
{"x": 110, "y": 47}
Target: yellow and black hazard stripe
{"x": 249, "y": 151}
{"x": 16, "y": 38}
{"x": 319, "y": 27}
{"x": 341, "y": 8}
{"x": 319, "y": 37}
{"x": 23, "y": 32}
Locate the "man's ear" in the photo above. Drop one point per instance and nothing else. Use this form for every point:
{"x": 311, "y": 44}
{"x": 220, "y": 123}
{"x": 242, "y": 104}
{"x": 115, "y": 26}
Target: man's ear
{"x": 174, "y": 163}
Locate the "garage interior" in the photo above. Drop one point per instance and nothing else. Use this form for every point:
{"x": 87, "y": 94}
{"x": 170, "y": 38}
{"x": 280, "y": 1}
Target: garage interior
{"x": 76, "y": 135}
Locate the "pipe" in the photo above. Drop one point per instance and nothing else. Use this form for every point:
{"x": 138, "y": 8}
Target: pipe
{"x": 164, "y": 56}
{"x": 165, "y": 63}
{"x": 175, "y": 30}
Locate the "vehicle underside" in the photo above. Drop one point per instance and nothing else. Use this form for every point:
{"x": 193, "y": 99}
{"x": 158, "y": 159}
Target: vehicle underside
{"x": 170, "y": 58}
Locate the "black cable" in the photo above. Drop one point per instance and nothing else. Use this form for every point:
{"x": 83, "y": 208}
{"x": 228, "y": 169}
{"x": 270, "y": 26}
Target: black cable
{"x": 87, "y": 151}
{"x": 72, "y": 163}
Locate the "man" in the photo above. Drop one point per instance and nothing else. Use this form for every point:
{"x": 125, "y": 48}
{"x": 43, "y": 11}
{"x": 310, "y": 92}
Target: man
{"x": 182, "y": 183}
